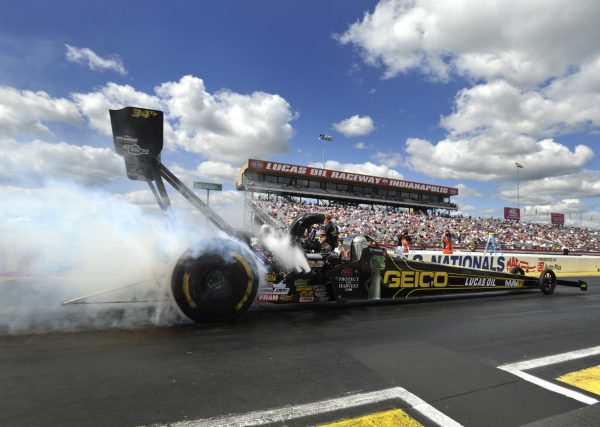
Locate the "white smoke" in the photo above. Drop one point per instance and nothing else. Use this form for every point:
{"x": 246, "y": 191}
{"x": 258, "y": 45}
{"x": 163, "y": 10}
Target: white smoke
{"x": 62, "y": 242}
{"x": 284, "y": 252}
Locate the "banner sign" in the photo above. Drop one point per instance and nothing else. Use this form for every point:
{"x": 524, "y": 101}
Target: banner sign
{"x": 208, "y": 186}
{"x": 557, "y": 218}
{"x": 306, "y": 171}
{"x": 512, "y": 213}
{"x": 532, "y": 264}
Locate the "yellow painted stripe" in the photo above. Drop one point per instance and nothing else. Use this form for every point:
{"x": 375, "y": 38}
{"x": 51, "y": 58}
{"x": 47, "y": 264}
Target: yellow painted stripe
{"x": 393, "y": 418}
{"x": 250, "y": 276}
{"x": 586, "y": 379}
{"x": 186, "y": 290}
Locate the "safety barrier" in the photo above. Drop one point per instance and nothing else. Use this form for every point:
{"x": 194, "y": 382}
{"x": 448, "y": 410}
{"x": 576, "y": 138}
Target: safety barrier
{"x": 530, "y": 263}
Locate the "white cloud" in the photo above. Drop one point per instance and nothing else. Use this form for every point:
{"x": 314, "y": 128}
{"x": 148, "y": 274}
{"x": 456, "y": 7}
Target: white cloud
{"x": 391, "y": 160}
{"x": 217, "y": 171}
{"x": 26, "y": 112}
{"x": 355, "y": 126}
{"x": 366, "y": 168}
{"x": 33, "y": 164}
{"x": 209, "y": 171}
{"x": 546, "y": 190}
{"x": 227, "y": 126}
{"x": 95, "y": 105}
{"x": 360, "y": 146}
{"x": 467, "y": 191}
{"x": 483, "y": 40}
{"x": 93, "y": 61}
{"x": 479, "y": 159}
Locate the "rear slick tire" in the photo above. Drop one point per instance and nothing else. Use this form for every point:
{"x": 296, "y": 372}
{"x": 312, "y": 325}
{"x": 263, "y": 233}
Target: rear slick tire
{"x": 214, "y": 286}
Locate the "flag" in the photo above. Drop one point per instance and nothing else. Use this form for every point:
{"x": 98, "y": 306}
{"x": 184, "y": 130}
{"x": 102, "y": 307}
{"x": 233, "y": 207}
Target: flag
{"x": 325, "y": 137}
{"x": 519, "y": 165}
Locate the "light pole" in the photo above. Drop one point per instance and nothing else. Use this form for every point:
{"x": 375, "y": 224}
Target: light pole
{"x": 325, "y": 138}
{"x": 518, "y": 166}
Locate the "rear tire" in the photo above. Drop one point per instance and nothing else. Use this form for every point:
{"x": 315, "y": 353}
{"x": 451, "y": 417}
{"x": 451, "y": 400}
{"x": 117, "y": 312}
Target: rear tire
{"x": 547, "y": 281}
{"x": 215, "y": 286}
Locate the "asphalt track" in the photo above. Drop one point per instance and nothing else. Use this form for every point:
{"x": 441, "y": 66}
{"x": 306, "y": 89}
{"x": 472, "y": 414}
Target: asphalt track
{"x": 312, "y": 365}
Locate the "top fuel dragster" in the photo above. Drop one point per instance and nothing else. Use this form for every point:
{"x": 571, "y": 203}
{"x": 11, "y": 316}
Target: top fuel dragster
{"x": 221, "y": 282}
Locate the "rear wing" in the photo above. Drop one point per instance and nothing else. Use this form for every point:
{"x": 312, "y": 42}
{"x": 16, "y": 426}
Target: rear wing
{"x": 138, "y": 138}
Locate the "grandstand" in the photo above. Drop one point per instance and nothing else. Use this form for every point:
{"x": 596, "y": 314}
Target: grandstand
{"x": 295, "y": 182}
{"x": 361, "y": 204}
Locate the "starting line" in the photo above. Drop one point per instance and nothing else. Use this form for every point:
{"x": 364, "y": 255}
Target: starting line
{"x": 519, "y": 368}
{"x": 299, "y": 411}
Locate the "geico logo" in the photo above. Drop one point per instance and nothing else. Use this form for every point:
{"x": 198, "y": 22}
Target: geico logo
{"x": 415, "y": 279}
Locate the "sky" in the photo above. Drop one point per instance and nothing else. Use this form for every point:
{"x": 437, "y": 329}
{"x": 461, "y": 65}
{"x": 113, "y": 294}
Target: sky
{"x": 451, "y": 93}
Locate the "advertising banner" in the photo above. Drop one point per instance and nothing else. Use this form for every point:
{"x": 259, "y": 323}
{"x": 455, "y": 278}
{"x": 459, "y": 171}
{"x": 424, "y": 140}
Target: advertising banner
{"x": 326, "y": 174}
{"x": 557, "y": 218}
{"x": 512, "y": 213}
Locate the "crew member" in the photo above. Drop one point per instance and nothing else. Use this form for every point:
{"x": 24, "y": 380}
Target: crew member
{"x": 403, "y": 244}
{"x": 447, "y": 242}
{"x": 330, "y": 236}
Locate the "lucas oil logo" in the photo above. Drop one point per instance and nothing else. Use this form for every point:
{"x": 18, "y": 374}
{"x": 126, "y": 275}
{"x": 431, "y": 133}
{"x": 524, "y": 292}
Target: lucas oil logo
{"x": 415, "y": 279}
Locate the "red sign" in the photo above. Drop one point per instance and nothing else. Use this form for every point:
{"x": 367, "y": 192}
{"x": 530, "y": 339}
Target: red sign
{"x": 557, "y": 218}
{"x": 304, "y": 171}
{"x": 512, "y": 213}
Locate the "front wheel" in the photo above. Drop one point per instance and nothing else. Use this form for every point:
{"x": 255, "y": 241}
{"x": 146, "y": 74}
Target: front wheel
{"x": 547, "y": 281}
{"x": 215, "y": 286}
{"x": 517, "y": 270}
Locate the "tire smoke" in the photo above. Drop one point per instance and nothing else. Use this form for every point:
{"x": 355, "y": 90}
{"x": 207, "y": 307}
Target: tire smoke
{"x": 64, "y": 242}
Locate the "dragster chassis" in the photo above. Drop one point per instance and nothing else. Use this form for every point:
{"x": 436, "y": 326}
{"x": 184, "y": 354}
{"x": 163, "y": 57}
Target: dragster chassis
{"x": 221, "y": 281}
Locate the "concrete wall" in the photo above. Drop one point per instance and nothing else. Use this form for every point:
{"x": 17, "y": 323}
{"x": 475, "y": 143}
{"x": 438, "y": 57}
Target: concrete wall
{"x": 530, "y": 263}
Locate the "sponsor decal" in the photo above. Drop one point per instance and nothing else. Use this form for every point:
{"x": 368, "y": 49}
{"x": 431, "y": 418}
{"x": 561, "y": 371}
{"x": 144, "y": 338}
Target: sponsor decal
{"x": 514, "y": 283}
{"x": 494, "y": 263}
{"x": 307, "y": 299}
{"x": 346, "y": 271}
{"x": 265, "y": 291}
{"x": 286, "y": 298}
{"x": 271, "y": 277}
{"x": 305, "y": 291}
{"x": 515, "y": 262}
{"x": 281, "y": 291}
{"x": 480, "y": 282}
{"x": 266, "y": 298}
{"x": 347, "y": 283}
{"x": 142, "y": 113}
{"x": 257, "y": 164}
{"x": 415, "y": 279}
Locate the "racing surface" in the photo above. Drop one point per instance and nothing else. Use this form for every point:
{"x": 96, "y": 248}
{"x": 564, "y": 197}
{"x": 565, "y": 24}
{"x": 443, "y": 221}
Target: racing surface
{"x": 445, "y": 351}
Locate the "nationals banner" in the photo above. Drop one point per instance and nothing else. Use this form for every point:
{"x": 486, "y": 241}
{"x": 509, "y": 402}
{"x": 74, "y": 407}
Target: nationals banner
{"x": 512, "y": 213}
{"x": 557, "y": 218}
{"x": 312, "y": 172}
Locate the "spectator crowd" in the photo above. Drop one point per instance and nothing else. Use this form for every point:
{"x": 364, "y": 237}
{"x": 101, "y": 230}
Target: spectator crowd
{"x": 386, "y": 225}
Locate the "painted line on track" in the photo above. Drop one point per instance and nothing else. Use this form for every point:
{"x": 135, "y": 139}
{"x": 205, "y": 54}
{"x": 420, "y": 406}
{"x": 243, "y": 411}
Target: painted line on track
{"x": 288, "y": 413}
{"x": 518, "y": 369}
